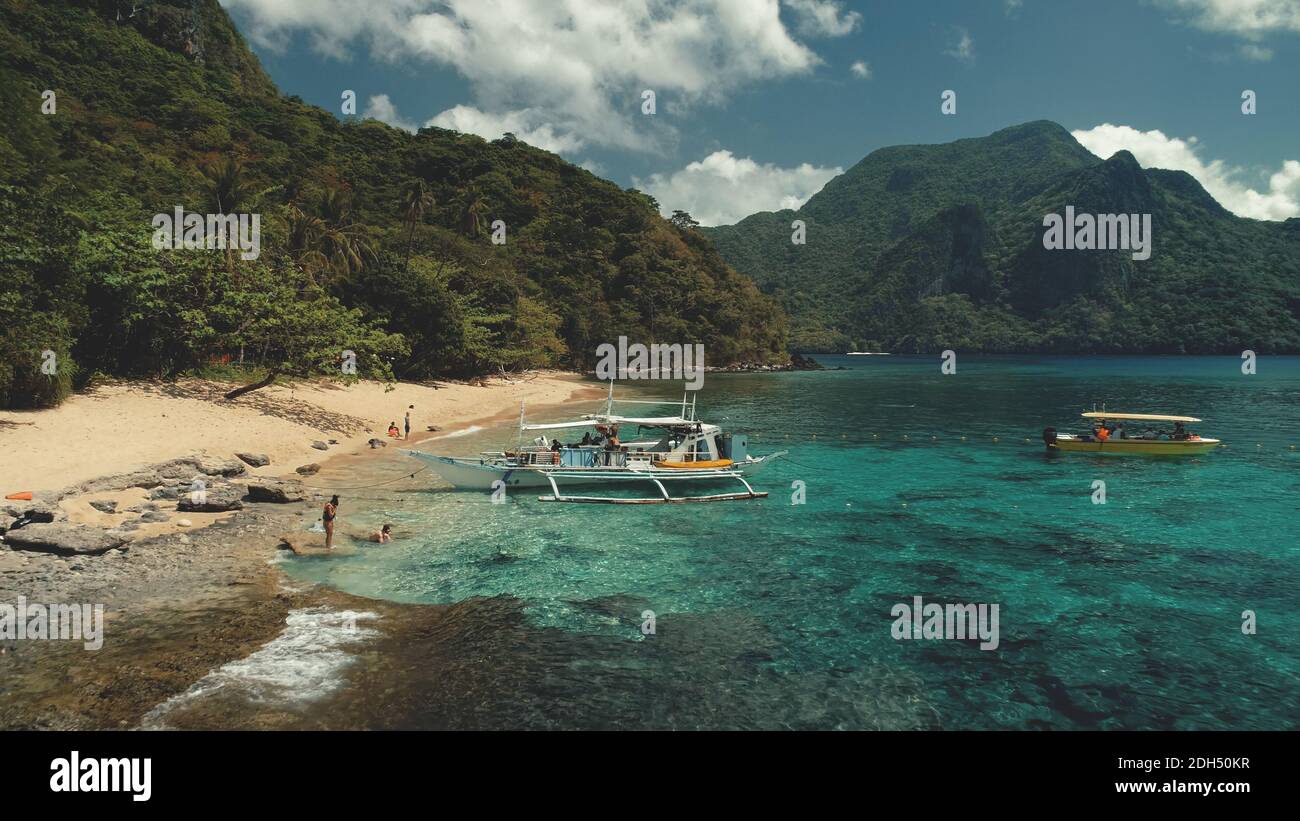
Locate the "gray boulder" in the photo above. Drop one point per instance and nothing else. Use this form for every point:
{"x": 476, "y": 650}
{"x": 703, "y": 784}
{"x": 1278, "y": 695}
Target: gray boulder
{"x": 307, "y": 470}
{"x": 256, "y": 460}
{"x": 154, "y": 516}
{"x": 40, "y": 510}
{"x": 141, "y": 478}
{"x": 319, "y": 445}
{"x": 215, "y": 499}
{"x": 186, "y": 467}
{"x": 104, "y": 505}
{"x": 276, "y": 491}
{"x": 169, "y": 492}
{"x": 64, "y": 538}
{"x": 376, "y": 443}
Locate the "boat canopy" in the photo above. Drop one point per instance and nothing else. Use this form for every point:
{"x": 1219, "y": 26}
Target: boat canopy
{"x": 1149, "y": 417}
{"x": 601, "y": 419}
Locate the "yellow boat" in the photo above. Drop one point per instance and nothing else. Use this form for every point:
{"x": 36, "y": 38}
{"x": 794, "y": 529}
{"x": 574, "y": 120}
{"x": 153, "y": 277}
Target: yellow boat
{"x": 1178, "y": 442}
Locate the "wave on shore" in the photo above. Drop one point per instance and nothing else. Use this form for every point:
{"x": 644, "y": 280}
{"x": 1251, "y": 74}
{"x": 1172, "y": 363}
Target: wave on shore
{"x": 301, "y": 665}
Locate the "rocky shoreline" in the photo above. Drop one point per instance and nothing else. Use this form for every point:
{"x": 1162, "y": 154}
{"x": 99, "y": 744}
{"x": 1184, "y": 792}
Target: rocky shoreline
{"x": 176, "y": 603}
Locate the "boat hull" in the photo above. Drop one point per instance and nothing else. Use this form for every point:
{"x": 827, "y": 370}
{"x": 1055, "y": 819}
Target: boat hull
{"x": 475, "y": 474}
{"x": 1144, "y": 447}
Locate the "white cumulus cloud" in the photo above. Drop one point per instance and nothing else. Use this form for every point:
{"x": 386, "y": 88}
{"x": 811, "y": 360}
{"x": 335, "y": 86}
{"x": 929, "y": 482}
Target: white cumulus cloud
{"x": 1153, "y": 149}
{"x": 379, "y": 107}
{"x": 569, "y": 72}
{"x": 826, "y": 18}
{"x": 861, "y": 69}
{"x": 723, "y": 188}
{"x": 964, "y": 48}
{"x": 1250, "y": 18}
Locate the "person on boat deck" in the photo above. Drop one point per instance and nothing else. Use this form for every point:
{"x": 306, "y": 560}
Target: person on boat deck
{"x": 327, "y": 517}
{"x": 392, "y": 429}
{"x": 1179, "y": 431}
{"x": 384, "y": 535}
{"x": 555, "y": 445}
{"x": 1103, "y": 433}
{"x": 586, "y": 438}
{"x": 1120, "y": 430}
{"x": 612, "y": 442}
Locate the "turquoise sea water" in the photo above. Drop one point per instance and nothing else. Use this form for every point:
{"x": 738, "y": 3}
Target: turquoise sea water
{"x": 1125, "y": 615}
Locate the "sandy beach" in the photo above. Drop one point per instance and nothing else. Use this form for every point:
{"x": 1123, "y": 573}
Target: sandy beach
{"x": 124, "y": 426}
{"x": 188, "y": 591}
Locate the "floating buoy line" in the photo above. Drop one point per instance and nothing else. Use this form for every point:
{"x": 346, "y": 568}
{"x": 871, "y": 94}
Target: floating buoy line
{"x": 909, "y": 439}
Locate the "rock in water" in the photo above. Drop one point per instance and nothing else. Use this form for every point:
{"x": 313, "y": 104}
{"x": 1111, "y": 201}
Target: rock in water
{"x": 277, "y": 491}
{"x": 64, "y": 538}
{"x": 215, "y": 499}
{"x": 257, "y": 460}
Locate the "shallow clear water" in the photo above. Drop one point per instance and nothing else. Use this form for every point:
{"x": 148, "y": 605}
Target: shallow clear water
{"x": 773, "y": 614}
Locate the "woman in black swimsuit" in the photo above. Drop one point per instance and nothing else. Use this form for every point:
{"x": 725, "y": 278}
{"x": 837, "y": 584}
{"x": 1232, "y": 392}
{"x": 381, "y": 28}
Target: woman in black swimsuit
{"x": 331, "y": 511}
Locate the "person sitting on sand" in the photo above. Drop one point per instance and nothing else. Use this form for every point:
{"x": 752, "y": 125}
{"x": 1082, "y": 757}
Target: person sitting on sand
{"x": 383, "y": 535}
{"x": 392, "y": 430}
{"x": 328, "y": 517}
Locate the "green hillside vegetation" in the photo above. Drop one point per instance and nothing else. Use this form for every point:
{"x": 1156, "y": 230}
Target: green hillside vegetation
{"x": 923, "y": 248}
{"x": 373, "y": 240}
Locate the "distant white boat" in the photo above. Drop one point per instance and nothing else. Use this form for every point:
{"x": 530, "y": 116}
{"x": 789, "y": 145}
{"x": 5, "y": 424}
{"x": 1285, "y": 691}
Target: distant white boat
{"x": 867, "y": 353}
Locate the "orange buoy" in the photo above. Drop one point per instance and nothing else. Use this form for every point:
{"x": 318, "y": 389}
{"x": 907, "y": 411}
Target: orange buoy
{"x": 25, "y": 496}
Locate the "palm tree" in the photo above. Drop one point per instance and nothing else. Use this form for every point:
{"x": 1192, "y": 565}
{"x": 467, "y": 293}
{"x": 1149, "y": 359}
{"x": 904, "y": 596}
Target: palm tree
{"x": 227, "y": 192}
{"x": 416, "y": 201}
{"x": 227, "y": 188}
{"x": 335, "y": 205}
{"x": 338, "y": 246}
{"x": 472, "y": 209}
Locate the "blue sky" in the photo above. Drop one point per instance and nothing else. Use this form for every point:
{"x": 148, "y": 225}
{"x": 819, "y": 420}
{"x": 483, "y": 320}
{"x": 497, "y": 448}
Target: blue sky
{"x": 758, "y": 102}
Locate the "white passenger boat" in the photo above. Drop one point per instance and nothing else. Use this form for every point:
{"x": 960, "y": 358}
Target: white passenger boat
{"x": 662, "y": 451}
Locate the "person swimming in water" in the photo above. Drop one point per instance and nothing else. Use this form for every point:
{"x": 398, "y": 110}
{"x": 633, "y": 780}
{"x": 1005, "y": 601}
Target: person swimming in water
{"x": 384, "y": 535}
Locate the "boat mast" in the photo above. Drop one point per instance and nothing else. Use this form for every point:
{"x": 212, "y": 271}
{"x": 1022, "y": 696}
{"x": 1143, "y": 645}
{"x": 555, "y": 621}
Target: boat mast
{"x": 519, "y": 443}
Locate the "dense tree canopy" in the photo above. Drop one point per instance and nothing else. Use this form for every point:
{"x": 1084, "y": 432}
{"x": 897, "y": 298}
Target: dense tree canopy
{"x": 373, "y": 240}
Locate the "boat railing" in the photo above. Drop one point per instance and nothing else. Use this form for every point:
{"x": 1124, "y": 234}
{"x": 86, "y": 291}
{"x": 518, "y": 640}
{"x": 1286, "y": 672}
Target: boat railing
{"x": 597, "y": 457}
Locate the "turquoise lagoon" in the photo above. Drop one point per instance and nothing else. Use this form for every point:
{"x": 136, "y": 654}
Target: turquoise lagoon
{"x": 770, "y": 614}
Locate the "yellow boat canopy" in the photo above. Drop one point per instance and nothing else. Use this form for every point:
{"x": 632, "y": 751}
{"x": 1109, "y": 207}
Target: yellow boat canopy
{"x": 1149, "y": 417}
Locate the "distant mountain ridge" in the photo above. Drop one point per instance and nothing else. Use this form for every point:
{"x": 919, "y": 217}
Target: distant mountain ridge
{"x": 922, "y": 248}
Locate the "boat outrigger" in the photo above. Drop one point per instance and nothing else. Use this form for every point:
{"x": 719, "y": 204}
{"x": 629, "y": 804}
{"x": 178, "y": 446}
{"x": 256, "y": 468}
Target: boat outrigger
{"x": 683, "y": 449}
{"x": 1111, "y": 435}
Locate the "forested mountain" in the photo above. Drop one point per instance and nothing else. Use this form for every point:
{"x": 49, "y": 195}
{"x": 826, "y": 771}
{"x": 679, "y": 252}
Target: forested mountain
{"x": 922, "y": 248}
{"x": 373, "y": 240}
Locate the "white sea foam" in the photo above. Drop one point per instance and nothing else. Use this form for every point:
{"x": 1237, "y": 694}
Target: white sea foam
{"x": 302, "y": 664}
{"x": 457, "y": 433}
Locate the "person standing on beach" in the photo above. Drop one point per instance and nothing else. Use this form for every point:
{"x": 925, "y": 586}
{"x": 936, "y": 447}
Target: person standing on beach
{"x": 331, "y": 512}
{"x": 409, "y": 408}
